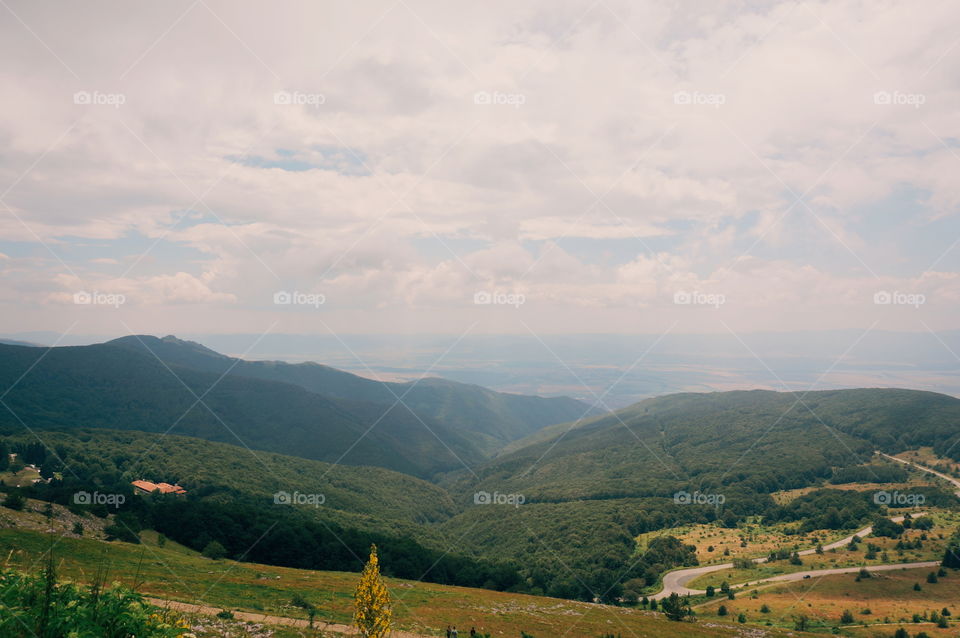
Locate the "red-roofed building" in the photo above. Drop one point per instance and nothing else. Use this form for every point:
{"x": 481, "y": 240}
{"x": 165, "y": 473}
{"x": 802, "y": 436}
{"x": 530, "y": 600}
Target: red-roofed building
{"x": 147, "y": 487}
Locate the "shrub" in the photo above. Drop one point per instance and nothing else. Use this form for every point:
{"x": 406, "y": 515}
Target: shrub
{"x": 44, "y": 607}
{"x": 15, "y": 501}
{"x": 214, "y": 550}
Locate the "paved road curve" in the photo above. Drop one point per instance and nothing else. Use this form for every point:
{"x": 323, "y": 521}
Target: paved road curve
{"x": 676, "y": 581}
{"x": 953, "y": 481}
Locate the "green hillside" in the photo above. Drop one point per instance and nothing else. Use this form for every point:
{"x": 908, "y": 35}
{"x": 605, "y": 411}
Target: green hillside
{"x": 112, "y": 387}
{"x": 489, "y": 419}
{"x": 422, "y": 608}
{"x": 572, "y": 505}
{"x": 590, "y": 489}
{"x": 758, "y": 441}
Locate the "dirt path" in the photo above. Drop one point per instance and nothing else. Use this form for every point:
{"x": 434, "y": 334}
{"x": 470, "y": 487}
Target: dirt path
{"x": 676, "y": 581}
{"x": 267, "y": 619}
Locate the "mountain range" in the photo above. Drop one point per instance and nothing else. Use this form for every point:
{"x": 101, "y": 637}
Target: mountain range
{"x": 309, "y": 410}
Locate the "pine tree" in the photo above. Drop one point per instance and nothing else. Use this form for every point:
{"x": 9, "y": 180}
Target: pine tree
{"x": 372, "y": 601}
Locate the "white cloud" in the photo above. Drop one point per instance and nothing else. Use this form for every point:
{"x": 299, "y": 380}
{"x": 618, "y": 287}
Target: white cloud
{"x": 664, "y": 194}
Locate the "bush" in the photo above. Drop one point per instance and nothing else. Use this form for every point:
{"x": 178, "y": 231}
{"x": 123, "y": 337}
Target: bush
{"x": 120, "y": 532}
{"x": 214, "y": 550}
{"x": 15, "y": 501}
{"x": 41, "y": 606}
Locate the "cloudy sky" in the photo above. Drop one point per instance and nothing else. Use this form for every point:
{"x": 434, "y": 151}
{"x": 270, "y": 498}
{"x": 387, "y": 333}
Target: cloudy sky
{"x": 402, "y": 166}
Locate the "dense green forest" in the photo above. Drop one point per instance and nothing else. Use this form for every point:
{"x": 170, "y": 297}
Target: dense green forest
{"x": 489, "y": 419}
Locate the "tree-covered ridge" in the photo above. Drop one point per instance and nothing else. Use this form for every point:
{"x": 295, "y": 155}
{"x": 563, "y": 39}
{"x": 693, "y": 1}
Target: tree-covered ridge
{"x": 488, "y": 418}
{"x": 110, "y": 459}
{"x": 107, "y": 386}
{"x": 306, "y": 410}
{"x": 749, "y": 442}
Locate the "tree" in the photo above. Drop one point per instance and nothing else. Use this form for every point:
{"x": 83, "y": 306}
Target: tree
{"x": 710, "y": 591}
{"x": 846, "y": 618}
{"x": 951, "y": 557}
{"x": 372, "y": 600}
{"x": 214, "y": 550}
{"x": 675, "y": 608}
{"x": 932, "y": 577}
{"x": 15, "y": 501}
{"x": 886, "y": 527}
{"x": 722, "y": 610}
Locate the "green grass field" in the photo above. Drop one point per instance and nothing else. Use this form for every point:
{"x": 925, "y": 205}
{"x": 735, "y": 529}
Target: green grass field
{"x": 889, "y": 596}
{"x": 173, "y": 573}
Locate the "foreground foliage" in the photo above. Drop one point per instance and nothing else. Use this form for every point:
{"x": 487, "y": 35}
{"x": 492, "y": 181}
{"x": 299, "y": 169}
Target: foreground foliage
{"x": 40, "y": 607}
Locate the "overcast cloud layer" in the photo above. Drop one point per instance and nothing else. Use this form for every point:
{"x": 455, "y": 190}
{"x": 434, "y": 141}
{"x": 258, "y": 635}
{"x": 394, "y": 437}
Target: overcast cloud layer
{"x": 539, "y": 167}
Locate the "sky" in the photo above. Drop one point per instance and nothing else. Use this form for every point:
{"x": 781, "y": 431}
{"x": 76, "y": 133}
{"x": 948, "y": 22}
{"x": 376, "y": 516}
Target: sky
{"x": 479, "y": 168}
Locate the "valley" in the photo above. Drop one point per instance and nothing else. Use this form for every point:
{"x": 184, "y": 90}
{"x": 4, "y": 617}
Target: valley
{"x": 518, "y": 514}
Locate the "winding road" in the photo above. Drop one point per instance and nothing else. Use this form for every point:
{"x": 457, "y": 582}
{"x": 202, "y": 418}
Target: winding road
{"x": 676, "y": 581}
{"x": 950, "y": 479}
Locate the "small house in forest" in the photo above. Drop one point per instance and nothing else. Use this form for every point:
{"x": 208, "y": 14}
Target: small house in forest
{"x": 148, "y": 487}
